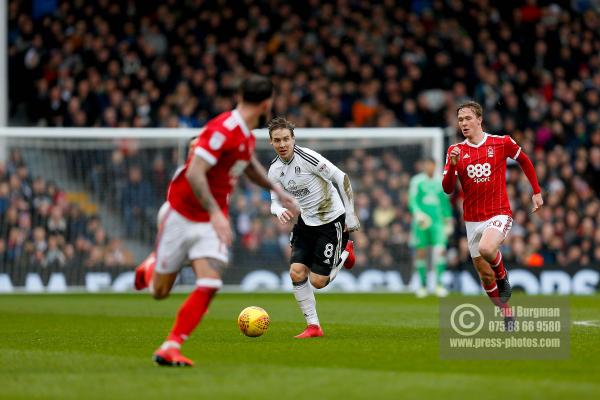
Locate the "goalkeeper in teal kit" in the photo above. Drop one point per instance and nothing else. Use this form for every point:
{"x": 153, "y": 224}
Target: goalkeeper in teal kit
{"x": 431, "y": 225}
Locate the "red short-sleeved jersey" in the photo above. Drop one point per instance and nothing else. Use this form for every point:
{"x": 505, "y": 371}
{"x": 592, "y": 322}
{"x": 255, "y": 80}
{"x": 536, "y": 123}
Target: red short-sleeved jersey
{"x": 481, "y": 170}
{"x": 227, "y": 144}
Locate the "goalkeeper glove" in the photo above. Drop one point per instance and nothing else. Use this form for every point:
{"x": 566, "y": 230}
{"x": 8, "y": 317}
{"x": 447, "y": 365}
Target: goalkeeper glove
{"x": 423, "y": 220}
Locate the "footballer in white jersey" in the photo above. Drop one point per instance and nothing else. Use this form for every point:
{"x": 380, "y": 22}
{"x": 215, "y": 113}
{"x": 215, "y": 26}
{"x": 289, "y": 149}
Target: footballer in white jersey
{"x": 308, "y": 177}
{"x": 319, "y": 239}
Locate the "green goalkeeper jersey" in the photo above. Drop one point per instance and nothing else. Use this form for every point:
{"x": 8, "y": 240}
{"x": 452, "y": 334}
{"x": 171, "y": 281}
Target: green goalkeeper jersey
{"x": 426, "y": 195}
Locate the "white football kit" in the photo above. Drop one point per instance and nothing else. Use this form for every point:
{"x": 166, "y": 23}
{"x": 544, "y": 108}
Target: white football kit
{"x": 309, "y": 177}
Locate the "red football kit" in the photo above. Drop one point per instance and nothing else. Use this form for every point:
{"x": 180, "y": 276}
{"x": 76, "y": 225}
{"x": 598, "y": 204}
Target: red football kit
{"x": 227, "y": 144}
{"x": 481, "y": 169}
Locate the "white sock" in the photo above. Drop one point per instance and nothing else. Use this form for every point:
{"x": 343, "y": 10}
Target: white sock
{"x": 306, "y": 300}
{"x": 170, "y": 343}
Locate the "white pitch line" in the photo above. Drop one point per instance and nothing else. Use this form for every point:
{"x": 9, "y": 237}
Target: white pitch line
{"x": 595, "y": 323}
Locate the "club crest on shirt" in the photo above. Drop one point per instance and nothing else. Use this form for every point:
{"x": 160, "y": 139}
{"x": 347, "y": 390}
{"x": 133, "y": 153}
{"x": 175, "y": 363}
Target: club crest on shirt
{"x": 297, "y": 170}
{"x": 490, "y": 151}
{"x": 216, "y": 140}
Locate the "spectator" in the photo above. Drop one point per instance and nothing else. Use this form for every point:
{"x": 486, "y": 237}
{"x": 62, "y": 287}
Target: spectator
{"x": 33, "y": 227}
{"x": 54, "y": 255}
{"x": 4, "y": 197}
{"x": 57, "y": 224}
{"x": 136, "y": 202}
{"x": 118, "y": 254}
{"x": 76, "y": 223}
{"x": 385, "y": 212}
{"x": 537, "y": 69}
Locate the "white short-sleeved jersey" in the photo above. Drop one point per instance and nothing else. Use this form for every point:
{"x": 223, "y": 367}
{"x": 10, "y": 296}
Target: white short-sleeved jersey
{"x": 308, "y": 177}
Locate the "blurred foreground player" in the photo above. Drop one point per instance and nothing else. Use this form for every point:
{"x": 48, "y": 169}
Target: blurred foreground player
{"x": 480, "y": 164}
{"x": 195, "y": 225}
{"x": 146, "y": 268}
{"x": 320, "y": 245}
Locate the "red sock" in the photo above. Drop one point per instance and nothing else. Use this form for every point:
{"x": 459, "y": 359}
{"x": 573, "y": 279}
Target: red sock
{"x": 498, "y": 266}
{"x": 492, "y": 292}
{"x": 190, "y": 313}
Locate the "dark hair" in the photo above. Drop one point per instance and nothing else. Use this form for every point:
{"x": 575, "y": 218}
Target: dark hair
{"x": 256, "y": 88}
{"x": 189, "y": 143}
{"x": 280, "y": 123}
{"x": 473, "y": 105}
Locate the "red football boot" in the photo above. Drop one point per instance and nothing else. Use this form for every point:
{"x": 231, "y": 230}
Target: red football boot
{"x": 310, "y": 331}
{"x": 171, "y": 357}
{"x": 349, "y": 263}
{"x": 143, "y": 273}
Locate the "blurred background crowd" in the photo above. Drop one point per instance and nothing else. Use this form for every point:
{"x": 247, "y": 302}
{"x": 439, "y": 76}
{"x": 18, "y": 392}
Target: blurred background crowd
{"x": 533, "y": 65}
{"x": 39, "y": 228}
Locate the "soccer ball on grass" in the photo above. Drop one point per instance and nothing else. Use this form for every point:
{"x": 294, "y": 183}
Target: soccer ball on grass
{"x": 253, "y": 321}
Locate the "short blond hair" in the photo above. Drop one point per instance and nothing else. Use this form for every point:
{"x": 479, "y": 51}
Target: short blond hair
{"x": 473, "y": 105}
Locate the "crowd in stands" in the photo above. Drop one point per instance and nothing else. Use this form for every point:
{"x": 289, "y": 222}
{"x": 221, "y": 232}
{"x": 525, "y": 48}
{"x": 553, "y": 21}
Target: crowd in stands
{"x": 39, "y": 228}
{"x": 533, "y": 65}
{"x": 132, "y": 181}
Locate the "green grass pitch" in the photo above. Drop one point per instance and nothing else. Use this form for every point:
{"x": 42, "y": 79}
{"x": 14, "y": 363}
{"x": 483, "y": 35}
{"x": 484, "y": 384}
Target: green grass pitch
{"x": 377, "y": 346}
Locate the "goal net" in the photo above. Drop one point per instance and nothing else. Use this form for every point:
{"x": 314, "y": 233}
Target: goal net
{"x": 78, "y": 206}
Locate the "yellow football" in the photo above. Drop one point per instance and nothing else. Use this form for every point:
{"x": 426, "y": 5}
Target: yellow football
{"x": 253, "y": 321}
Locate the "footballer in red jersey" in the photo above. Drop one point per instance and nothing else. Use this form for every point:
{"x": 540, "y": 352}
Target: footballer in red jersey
{"x": 195, "y": 225}
{"x": 479, "y": 162}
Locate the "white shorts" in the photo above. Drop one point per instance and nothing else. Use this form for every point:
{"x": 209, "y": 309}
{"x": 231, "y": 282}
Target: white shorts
{"x": 179, "y": 239}
{"x": 162, "y": 211}
{"x": 502, "y": 223}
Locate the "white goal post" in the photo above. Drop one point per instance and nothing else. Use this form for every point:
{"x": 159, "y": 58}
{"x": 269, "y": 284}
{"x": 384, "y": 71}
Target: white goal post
{"x": 433, "y": 137}
{"x": 95, "y": 169}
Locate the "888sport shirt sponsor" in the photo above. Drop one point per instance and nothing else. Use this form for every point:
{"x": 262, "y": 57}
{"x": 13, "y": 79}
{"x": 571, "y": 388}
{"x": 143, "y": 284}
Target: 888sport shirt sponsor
{"x": 481, "y": 169}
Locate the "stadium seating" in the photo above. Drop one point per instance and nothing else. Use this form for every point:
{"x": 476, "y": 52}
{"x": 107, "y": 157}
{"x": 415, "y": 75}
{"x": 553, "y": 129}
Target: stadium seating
{"x": 355, "y": 64}
{"x": 43, "y": 227}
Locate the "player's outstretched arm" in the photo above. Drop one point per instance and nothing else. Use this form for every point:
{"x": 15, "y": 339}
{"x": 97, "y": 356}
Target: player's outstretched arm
{"x": 257, "y": 174}
{"x": 447, "y": 213}
{"x": 414, "y": 204}
{"x": 283, "y": 214}
{"x": 196, "y": 176}
{"x": 342, "y": 181}
{"x": 449, "y": 180}
{"x": 326, "y": 170}
{"x": 413, "y": 192}
{"x": 529, "y": 170}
